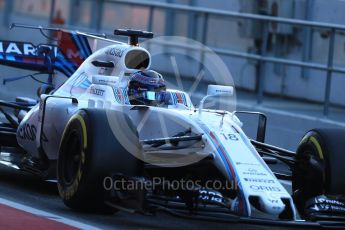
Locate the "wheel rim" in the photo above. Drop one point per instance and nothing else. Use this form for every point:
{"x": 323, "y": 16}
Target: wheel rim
{"x": 72, "y": 158}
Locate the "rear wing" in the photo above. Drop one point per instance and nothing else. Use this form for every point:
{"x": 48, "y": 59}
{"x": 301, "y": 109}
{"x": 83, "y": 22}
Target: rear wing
{"x": 67, "y": 50}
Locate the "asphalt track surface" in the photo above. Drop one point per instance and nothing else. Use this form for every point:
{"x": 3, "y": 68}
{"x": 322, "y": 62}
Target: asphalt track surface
{"x": 30, "y": 191}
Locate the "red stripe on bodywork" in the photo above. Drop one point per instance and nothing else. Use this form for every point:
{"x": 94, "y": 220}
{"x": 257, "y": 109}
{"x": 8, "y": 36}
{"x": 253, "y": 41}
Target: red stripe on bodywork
{"x": 33, "y": 60}
{"x": 179, "y": 98}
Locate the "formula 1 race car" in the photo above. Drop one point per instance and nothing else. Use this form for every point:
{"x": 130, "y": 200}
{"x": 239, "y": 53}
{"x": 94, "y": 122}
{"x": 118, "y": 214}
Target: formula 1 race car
{"x": 107, "y": 153}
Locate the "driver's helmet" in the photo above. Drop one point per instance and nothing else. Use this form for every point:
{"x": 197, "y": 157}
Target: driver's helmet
{"x": 146, "y": 88}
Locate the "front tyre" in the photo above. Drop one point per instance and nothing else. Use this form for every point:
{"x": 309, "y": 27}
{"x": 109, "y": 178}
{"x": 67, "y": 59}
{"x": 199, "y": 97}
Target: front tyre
{"x": 320, "y": 166}
{"x": 89, "y": 152}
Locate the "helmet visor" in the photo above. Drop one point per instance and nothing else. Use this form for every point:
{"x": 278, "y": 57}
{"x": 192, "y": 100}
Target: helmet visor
{"x": 153, "y": 96}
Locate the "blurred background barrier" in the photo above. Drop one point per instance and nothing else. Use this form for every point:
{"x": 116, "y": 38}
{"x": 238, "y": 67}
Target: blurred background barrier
{"x": 286, "y": 54}
{"x": 277, "y": 47}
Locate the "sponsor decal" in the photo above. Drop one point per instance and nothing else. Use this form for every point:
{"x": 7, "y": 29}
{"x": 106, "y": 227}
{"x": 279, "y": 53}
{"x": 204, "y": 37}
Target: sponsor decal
{"x": 23, "y": 49}
{"x": 254, "y": 172}
{"x": 102, "y": 81}
{"x": 115, "y": 52}
{"x": 98, "y": 92}
{"x": 263, "y": 188}
{"x": 211, "y": 197}
{"x": 327, "y": 207}
{"x": 273, "y": 201}
{"x": 329, "y": 201}
{"x": 29, "y": 132}
{"x": 257, "y": 180}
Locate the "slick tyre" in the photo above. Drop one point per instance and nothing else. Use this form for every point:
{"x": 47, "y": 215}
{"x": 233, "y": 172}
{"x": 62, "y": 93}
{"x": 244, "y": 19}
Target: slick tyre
{"x": 320, "y": 166}
{"x": 89, "y": 152}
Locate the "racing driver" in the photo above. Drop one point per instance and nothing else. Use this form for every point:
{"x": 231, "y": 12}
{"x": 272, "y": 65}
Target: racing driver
{"x": 146, "y": 87}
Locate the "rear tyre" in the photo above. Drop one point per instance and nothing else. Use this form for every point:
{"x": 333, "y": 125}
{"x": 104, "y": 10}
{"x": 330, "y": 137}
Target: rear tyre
{"x": 320, "y": 166}
{"x": 89, "y": 152}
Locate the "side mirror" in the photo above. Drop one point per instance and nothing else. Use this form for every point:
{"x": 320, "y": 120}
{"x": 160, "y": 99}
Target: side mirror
{"x": 262, "y": 121}
{"x": 216, "y": 90}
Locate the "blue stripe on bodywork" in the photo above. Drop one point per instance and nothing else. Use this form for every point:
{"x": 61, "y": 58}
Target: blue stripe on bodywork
{"x": 10, "y": 57}
{"x": 241, "y": 195}
{"x": 228, "y": 166}
{"x": 71, "y": 66}
{"x": 86, "y": 46}
{"x": 63, "y": 69}
{"x": 80, "y": 47}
